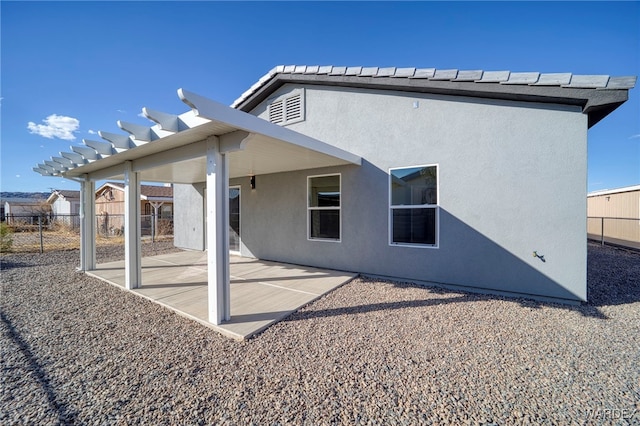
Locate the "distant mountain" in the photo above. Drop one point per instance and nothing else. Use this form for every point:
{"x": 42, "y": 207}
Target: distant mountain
{"x": 43, "y": 195}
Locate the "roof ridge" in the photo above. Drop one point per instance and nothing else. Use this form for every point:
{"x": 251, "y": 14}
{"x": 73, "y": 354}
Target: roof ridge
{"x": 564, "y": 80}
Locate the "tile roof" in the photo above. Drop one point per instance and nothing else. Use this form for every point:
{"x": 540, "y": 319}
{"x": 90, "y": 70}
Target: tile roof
{"x": 564, "y": 80}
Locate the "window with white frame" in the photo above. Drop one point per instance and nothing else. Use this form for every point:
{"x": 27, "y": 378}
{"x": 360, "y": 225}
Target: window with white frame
{"x": 413, "y": 206}
{"x": 288, "y": 108}
{"x": 323, "y": 207}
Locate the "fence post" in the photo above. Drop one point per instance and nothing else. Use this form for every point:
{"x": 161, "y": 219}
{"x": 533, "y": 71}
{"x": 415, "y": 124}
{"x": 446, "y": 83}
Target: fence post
{"x": 602, "y": 231}
{"x": 40, "y": 231}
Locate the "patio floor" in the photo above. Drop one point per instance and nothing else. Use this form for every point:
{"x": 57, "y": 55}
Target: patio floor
{"x": 262, "y": 292}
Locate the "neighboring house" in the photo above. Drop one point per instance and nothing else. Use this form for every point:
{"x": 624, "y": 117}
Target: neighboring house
{"x": 614, "y": 216}
{"x": 25, "y": 210}
{"x": 469, "y": 179}
{"x": 154, "y": 199}
{"x": 65, "y": 207}
{"x": 155, "y": 202}
{"x": 64, "y": 202}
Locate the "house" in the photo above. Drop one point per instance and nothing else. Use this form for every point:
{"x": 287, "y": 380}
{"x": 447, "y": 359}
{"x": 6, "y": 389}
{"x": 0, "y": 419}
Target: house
{"x": 470, "y": 179}
{"x": 65, "y": 207}
{"x": 156, "y": 202}
{"x": 154, "y": 199}
{"x": 64, "y": 202}
{"x": 614, "y": 216}
{"x": 24, "y": 211}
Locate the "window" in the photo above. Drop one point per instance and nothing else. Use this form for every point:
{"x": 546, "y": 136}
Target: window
{"x": 413, "y": 205}
{"x": 323, "y": 207}
{"x": 167, "y": 211}
{"x": 288, "y": 108}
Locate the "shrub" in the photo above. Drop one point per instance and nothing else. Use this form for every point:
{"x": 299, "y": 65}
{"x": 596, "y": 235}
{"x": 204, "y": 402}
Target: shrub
{"x": 165, "y": 227}
{"x": 6, "y": 238}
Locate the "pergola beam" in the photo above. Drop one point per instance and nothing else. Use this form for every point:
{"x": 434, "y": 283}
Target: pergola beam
{"x": 65, "y": 162}
{"x": 167, "y": 122}
{"x": 119, "y": 142}
{"x": 46, "y": 167}
{"x": 42, "y": 171}
{"x": 102, "y": 148}
{"x": 87, "y": 153}
{"x": 140, "y": 133}
{"x": 57, "y": 167}
{"x": 215, "y": 111}
{"x": 75, "y": 158}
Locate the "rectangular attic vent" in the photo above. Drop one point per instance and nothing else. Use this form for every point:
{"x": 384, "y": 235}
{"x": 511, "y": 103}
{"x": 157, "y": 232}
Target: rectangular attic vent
{"x": 276, "y": 110}
{"x": 288, "y": 108}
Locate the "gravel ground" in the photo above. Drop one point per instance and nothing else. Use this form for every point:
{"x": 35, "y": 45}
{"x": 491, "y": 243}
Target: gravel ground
{"x": 78, "y": 351}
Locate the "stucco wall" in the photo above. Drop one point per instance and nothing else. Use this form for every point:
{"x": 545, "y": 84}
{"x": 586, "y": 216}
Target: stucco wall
{"x": 512, "y": 180}
{"x": 188, "y": 216}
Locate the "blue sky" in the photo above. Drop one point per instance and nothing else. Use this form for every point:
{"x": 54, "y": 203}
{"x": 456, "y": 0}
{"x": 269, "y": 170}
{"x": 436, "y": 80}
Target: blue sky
{"x": 70, "y": 69}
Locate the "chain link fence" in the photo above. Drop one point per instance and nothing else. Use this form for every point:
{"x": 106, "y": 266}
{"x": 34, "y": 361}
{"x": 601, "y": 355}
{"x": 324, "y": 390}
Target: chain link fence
{"x": 48, "y": 232}
{"x": 614, "y": 230}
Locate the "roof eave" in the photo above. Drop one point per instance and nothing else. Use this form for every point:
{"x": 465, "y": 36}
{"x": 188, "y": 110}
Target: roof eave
{"x": 603, "y": 102}
{"x": 596, "y": 103}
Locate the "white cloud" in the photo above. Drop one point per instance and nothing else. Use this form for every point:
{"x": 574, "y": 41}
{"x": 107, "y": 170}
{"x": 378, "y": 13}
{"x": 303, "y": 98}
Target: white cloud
{"x": 56, "y": 126}
{"x": 634, "y": 136}
{"x": 17, "y": 176}
{"x": 121, "y": 111}
{"x": 92, "y": 132}
{"x": 141, "y": 115}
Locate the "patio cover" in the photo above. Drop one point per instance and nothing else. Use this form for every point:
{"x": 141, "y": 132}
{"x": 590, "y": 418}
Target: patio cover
{"x": 210, "y": 143}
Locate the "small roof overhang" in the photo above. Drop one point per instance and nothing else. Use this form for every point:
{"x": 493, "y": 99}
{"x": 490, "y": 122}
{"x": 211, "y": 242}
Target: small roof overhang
{"x": 174, "y": 150}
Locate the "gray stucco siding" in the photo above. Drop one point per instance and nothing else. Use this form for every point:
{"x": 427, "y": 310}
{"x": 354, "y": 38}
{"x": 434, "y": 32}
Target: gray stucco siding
{"x": 512, "y": 180}
{"x": 188, "y": 218}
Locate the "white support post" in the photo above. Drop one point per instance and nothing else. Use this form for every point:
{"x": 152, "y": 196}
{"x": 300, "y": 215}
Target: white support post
{"x": 87, "y": 225}
{"x": 217, "y": 184}
{"x": 132, "y": 255}
{"x": 155, "y": 206}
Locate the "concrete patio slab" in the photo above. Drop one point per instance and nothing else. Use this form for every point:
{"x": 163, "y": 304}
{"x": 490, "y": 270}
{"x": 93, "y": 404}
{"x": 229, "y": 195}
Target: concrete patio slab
{"x": 262, "y": 292}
